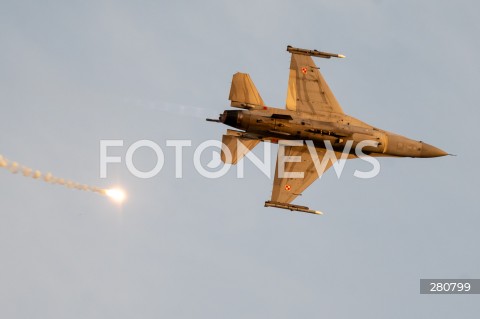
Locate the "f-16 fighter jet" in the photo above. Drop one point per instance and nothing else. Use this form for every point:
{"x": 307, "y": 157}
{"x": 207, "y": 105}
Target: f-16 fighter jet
{"x": 313, "y": 131}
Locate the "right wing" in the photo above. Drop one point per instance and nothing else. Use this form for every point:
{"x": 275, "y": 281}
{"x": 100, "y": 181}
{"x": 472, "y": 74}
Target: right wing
{"x": 307, "y": 89}
{"x": 286, "y": 189}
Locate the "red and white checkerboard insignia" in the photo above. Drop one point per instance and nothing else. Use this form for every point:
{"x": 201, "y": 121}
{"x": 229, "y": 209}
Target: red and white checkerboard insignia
{"x": 288, "y": 187}
{"x": 304, "y": 70}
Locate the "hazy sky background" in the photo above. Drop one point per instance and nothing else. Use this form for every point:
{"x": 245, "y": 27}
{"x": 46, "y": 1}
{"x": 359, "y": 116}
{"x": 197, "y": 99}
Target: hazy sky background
{"x": 73, "y": 74}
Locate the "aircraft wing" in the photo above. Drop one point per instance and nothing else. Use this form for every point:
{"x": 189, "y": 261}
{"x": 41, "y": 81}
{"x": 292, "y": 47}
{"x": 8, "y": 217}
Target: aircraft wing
{"x": 285, "y": 190}
{"x": 307, "y": 89}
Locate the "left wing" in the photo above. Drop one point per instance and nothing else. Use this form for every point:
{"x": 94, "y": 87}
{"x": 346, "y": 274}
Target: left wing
{"x": 285, "y": 190}
{"x": 307, "y": 89}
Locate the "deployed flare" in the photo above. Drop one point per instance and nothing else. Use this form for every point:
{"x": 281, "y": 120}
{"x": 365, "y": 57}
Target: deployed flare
{"x": 117, "y": 194}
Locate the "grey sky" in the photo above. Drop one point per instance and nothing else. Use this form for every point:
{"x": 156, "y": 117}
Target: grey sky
{"x": 72, "y": 74}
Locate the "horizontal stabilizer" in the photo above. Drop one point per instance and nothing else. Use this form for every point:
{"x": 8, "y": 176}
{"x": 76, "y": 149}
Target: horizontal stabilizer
{"x": 234, "y": 147}
{"x": 243, "y": 93}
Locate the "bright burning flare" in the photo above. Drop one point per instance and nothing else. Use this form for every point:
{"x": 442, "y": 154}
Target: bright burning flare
{"x": 117, "y": 194}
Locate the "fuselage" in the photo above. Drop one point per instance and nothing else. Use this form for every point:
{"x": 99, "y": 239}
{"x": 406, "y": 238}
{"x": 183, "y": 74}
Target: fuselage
{"x": 279, "y": 124}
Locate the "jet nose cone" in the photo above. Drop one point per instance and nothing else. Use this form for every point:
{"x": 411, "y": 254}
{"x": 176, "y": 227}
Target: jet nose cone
{"x": 431, "y": 151}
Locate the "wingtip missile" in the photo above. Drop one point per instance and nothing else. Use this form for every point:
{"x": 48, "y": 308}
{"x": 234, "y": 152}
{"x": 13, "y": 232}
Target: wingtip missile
{"x": 316, "y": 53}
{"x": 292, "y": 207}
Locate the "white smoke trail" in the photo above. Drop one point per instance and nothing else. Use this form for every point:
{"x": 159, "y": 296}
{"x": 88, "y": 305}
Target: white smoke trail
{"x": 174, "y": 109}
{"x": 14, "y": 167}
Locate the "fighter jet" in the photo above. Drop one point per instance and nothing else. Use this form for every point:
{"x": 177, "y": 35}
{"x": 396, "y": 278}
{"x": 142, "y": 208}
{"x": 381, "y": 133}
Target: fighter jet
{"x": 313, "y": 115}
